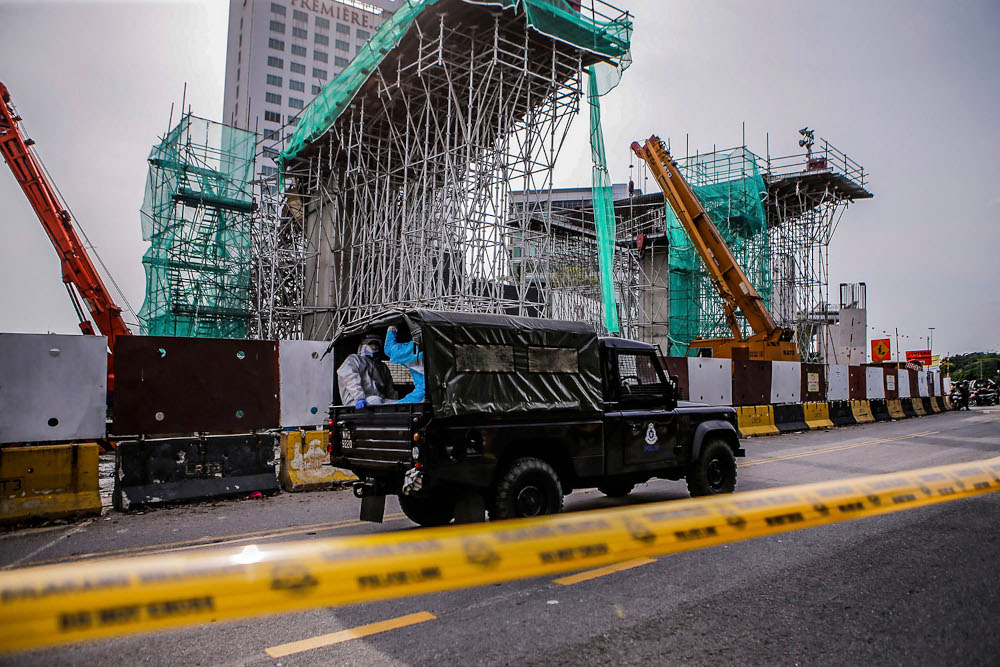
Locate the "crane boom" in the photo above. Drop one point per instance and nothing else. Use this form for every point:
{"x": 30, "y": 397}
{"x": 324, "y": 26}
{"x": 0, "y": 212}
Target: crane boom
{"x": 769, "y": 340}
{"x": 78, "y": 270}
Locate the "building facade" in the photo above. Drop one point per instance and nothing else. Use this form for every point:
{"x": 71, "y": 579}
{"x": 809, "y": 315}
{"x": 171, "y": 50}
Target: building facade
{"x": 281, "y": 53}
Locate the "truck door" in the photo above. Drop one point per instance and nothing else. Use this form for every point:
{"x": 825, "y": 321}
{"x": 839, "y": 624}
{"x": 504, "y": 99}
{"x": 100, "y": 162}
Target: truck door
{"x": 642, "y": 430}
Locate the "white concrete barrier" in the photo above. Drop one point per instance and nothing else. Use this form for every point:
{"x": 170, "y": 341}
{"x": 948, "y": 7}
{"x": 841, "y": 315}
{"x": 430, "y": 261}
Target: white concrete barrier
{"x": 710, "y": 381}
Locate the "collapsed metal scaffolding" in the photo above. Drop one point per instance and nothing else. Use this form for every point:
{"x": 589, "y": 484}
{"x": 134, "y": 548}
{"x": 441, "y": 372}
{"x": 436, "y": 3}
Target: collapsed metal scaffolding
{"x": 404, "y": 201}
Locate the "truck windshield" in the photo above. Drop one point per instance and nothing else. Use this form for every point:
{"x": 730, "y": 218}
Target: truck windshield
{"x": 639, "y": 373}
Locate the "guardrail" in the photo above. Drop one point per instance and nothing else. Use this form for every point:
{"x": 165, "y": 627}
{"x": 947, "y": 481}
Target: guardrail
{"x": 56, "y": 604}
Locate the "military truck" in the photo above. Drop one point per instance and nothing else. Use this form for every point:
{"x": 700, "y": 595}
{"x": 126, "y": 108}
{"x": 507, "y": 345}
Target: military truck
{"x": 519, "y": 412}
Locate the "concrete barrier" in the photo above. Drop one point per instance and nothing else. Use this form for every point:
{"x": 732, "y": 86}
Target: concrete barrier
{"x": 841, "y": 413}
{"x": 169, "y": 470}
{"x": 935, "y": 406}
{"x": 948, "y": 404}
{"x": 926, "y": 400}
{"x": 790, "y": 417}
{"x": 880, "y": 410}
{"x": 817, "y": 415}
{"x": 756, "y": 420}
{"x": 918, "y": 407}
{"x": 48, "y": 482}
{"x": 305, "y": 462}
{"x": 862, "y": 412}
{"x": 895, "y": 408}
{"x": 907, "y": 404}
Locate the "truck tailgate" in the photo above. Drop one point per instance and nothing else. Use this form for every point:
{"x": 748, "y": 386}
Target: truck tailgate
{"x": 379, "y": 438}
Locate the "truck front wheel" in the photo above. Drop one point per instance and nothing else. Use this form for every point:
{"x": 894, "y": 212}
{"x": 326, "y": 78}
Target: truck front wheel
{"x": 529, "y": 487}
{"x": 714, "y": 472}
{"x": 428, "y": 511}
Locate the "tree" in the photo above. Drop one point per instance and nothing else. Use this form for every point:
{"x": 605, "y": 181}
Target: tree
{"x": 969, "y": 366}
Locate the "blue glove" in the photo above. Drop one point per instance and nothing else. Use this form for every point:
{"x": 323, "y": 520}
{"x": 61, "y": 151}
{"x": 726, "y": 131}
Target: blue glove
{"x": 362, "y": 403}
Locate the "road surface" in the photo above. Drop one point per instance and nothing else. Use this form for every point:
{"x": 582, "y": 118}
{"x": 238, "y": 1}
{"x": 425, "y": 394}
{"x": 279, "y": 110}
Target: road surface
{"x": 915, "y": 587}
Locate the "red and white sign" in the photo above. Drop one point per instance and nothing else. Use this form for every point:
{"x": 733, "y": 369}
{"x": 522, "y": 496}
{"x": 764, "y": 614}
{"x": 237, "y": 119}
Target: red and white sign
{"x": 921, "y": 356}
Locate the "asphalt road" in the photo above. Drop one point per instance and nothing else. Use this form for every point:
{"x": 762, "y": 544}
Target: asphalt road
{"x": 915, "y": 587}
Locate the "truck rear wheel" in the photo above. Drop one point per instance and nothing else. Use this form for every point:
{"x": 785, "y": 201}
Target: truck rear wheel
{"x": 529, "y": 487}
{"x": 428, "y": 511}
{"x": 714, "y": 472}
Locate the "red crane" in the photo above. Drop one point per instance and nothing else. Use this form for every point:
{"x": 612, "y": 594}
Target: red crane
{"x": 78, "y": 270}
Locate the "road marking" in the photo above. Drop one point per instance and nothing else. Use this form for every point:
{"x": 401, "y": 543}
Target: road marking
{"x": 60, "y": 538}
{"x": 587, "y": 575}
{"x": 282, "y": 650}
{"x": 213, "y": 541}
{"x": 836, "y": 448}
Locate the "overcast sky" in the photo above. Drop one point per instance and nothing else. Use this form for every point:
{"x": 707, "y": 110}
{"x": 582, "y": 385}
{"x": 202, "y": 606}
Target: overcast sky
{"x": 910, "y": 89}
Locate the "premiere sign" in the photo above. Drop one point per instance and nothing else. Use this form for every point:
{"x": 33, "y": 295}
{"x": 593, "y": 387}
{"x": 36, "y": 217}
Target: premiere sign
{"x": 335, "y": 10}
{"x": 919, "y": 356}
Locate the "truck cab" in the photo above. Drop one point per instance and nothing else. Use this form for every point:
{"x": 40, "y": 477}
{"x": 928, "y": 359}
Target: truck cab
{"x": 518, "y": 413}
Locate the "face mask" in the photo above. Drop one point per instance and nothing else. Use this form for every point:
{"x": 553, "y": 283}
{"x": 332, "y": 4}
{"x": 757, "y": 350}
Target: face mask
{"x": 368, "y": 351}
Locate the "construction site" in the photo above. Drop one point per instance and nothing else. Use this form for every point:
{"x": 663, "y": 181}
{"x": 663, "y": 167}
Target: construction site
{"x": 424, "y": 179}
{"x": 385, "y": 290}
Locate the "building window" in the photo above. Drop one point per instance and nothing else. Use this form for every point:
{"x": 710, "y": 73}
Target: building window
{"x": 277, "y": 9}
{"x": 275, "y": 62}
{"x": 357, "y": 49}
{"x": 272, "y": 116}
{"x": 319, "y": 73}
{"x": 276, "y": 44}
{"x": 321, "y": 56}
{"x": 342, "y": 45}
{"x": 298, "y": 50}
{"x": 278, "y": 26}
{"x": 268, "y": 171}
{"x": 340, "y": 62}
{"x": 295, "y": 103}
{"x": 273, "y": 98}
{"x": 270, "y": 153}
{"x": 297, "y": 68}
{"x": 343, "y": 29}
{"x": 301, "y": 33}
{"x": 296, "y": 85}
{"x": 362, "y": 34}
{"x": 316, "y": 90}
{"x": 273, "y": 80}
{"x": 322, "y": 22}
{"x": 293, "y": 121}
{"x": 271, "y": 134}
{"x": 321, "y": 39}
{"x": 299, "y": 16}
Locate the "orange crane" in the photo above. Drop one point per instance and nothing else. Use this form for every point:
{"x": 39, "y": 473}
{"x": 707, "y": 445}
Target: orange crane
{"x": 79, "y": 273}
{"x": 769, "y": 342}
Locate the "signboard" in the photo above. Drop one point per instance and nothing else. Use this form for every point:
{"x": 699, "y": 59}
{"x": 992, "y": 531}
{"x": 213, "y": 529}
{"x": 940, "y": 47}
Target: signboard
{"x": 890, "y": 380}
{"x": 922, "y": 356}
{"x": 812, "y": 381}
{"x": 880, "y": 350}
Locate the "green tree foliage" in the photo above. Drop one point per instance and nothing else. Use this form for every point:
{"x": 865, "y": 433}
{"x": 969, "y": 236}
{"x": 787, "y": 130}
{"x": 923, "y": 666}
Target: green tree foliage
{"x": 968, "y": 366}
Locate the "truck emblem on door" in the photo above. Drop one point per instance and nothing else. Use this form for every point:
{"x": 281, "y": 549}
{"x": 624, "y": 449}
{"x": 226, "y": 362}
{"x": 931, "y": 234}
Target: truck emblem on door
{"x": 651, "y": 437}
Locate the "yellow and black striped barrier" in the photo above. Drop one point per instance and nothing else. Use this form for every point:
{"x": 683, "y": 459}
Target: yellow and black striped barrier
{"x": 56, "y": 604}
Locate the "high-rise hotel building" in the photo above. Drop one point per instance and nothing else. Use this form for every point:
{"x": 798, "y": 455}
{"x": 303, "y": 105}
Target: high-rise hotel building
{"x": 280, "y": 55}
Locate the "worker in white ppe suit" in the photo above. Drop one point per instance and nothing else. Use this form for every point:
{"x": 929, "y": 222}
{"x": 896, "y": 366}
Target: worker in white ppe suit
{"x": 364, "y": 379}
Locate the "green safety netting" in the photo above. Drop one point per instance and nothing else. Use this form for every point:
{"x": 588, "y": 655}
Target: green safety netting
{"x": 555, "y": 18}
{"x": 730, "y": 187}
{"x": 196, "y": 215}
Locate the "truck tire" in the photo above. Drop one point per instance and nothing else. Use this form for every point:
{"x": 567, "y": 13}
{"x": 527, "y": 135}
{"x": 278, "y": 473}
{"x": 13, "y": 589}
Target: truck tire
{"x": 714, "y": 472}
{"x": 428, "y": 511}
{"x": 529, "y": 487}
{"x": 616, "y": 489}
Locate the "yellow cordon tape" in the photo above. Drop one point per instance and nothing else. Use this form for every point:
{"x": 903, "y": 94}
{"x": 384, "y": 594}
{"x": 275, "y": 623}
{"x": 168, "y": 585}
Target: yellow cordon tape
{"x": 71, "y": 602}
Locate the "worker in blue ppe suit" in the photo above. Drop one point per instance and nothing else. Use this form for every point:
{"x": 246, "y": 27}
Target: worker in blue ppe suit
{"x": 408, "y": 355}
{"x": 364, "y": 379}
